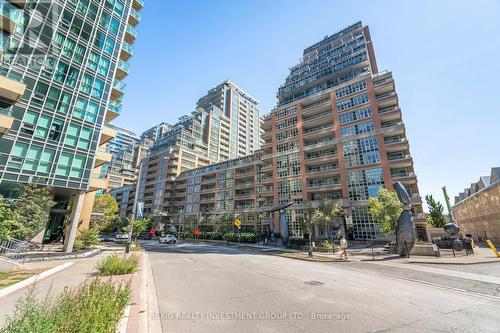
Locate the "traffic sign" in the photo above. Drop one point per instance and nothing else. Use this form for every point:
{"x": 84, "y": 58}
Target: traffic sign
{"x": 196, "y": 231}
{"x": 237, "y": 223}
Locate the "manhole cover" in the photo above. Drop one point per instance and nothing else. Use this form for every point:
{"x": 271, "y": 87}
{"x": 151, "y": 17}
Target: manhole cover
{"x": 313, "y": 283}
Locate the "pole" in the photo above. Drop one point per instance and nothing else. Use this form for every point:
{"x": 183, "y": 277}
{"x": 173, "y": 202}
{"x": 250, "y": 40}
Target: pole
{"x": 134, "y": 208}
{"x": 447, "y": 200}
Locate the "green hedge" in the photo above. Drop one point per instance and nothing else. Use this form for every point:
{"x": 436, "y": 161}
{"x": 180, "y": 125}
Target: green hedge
{"x": 92, "y": 307}
{"x": 245, "y": 237}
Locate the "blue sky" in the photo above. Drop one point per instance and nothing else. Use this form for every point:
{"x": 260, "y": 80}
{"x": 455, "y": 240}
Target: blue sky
{"x": 444, "y": 55}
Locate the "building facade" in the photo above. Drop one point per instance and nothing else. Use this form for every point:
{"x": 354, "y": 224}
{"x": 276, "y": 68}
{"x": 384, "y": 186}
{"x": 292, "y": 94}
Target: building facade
{"x": 124, "y": 139}
{"x": 336, "y": 134}
{"x": 477, "y": 209}
{"x": 62, "y": 68}
{"x": 204, "y": 137}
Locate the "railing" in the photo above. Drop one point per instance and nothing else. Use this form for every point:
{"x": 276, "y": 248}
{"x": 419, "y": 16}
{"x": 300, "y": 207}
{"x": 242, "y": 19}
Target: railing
{"x": 397, "y": 157}
{"x": 128, "y": 48}
{"x": 131, "y": 31}
{"x": 135, "y": 14}
{"x": 124, "y": 66}
{"x": 115, "y": 107}
{"x": 119, "y": 85}
{"x": 13, "y": 249}
{"x": 140, "y": 2}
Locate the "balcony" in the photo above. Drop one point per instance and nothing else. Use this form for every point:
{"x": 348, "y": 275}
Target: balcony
{"x": 138, "y": 4}
{"x": 107, "y": 134}
{"x": 19, "y": 3}
{"x": 11, "y": 90}
{"x": 114, "y": 110}
{"x": 122, "y": 70}
{"x": 6, "y": 122}
{"x": 134, "y": 17}
{"x": 97, "y": 183}
{"x": 9, "y": 15}
{"x": 102, "y": 156}
{"x": 387, "y": 99}
{"x": 399, "y": 160}
{"x": 127, "y": 51}
{"x": 117, "y": 90}
{"x": 130, "y": 34}
{"x": 384, "y": 85}
{"x": 402, "y": 176}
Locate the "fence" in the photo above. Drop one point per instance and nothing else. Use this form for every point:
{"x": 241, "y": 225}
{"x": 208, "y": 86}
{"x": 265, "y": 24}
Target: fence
{"x": 13, "y": 249}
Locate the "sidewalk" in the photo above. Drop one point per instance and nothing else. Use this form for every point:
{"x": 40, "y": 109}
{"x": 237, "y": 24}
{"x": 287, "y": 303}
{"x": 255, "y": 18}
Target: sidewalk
{"x": 364, "y": 253}
{"x": 71, "y": 276}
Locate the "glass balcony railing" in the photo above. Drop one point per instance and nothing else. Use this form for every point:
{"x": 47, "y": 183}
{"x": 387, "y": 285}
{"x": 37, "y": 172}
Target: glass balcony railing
{"x": 135, "y": 14}
{"x": 10, "y": 11}
{"x": 124, "y": 66}
{"x": 128, "y": 48}
{"x": 120, "y": 86}
{"x": 115, "y": 107}
{"x": 131, "y": 31}
{"x": 140, "y": 2}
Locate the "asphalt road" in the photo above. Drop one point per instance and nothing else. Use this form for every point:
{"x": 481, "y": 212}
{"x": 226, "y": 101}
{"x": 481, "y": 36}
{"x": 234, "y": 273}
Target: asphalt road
{"x": 205, "y": 288}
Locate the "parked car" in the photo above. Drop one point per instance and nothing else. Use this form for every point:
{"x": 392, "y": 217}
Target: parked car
{"x": 168, "y": 239}
{"x": 122, "y": 235}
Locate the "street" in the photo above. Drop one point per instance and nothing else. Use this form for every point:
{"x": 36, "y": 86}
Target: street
{"x": 207, "y": 288}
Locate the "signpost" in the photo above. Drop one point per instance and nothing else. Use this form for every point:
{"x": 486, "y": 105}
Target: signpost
{"x": 237, "y": 223}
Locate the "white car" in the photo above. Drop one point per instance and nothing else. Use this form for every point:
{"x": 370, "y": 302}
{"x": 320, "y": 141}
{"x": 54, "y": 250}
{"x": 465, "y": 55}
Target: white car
{"x": 168, "y": 239}
{"x": 122, "y": 235}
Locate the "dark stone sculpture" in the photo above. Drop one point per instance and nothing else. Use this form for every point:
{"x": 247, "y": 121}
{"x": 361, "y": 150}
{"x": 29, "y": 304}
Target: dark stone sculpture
{"x": 451, "y": 229}
{"x": 405, "y": 228}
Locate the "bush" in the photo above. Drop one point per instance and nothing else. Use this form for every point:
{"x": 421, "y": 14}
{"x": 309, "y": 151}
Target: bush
{"x": 244, "y": 237}
{"x": 89, "y": 237}
{"x": 78, "y": 245}
{"x": 297, "y": 241}
{"x": 324, "y": 243}
{"x": 135, "y": 246}
{"x": 94, "y": 307}
{"x": 118, "y": 265}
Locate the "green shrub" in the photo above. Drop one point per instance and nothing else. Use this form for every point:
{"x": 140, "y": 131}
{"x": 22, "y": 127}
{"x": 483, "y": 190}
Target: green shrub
{"x": 135, "y": 246}
{"x": 244, "y": 237}
{"x": 324, "y": 243}
{"x": 94, "y": 307}
{"x": 89, "y": 237}
{"x": 78, "y": 245}
{"x": 118, "y": 265}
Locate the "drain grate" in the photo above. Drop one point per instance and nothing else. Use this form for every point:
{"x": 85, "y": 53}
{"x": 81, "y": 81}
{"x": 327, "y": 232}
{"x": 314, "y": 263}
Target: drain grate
{"x": 313, "y": 283}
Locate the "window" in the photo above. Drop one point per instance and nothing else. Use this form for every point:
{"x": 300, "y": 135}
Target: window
{"x": 72, "y": 135}
{"x": 42, "y": 126}
{"x": 52, "y": 98}
{"x": 56, "y": 129}
{"x": 103, "y": 66}
{"x": 93, "y": 61}
{"x": 80, "y": 107}
{"x": 32, "y": 158}
{"x": 46, "y": 160}
{"x": 64, "y": 102}
{"x": 92, "y": 111}
{"x": 86, "y": 84}
{"x": 30, "y": 118}
{"x": 97, "y": 88}
{"x": 85, "y": 137}
{"x": 64, "y": 164}
{"x": 353, "y": 101}
{"x": 77, "y": 166}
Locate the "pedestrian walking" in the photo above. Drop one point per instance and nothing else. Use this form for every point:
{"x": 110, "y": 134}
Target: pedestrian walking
{"x": 343, "y": 247}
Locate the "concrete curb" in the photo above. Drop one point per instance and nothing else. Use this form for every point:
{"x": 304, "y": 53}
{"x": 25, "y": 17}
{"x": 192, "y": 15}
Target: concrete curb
{"x": 149, "y": 308}
{"x": 453, "y": 263}
{"x": 33, "y": 279}
{"x": 122, "y": 324}
{"x": 87, "y": 254}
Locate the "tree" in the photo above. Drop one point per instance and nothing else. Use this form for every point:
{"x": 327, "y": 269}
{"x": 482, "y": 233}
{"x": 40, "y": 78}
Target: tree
{"x": 385, "y": 209}
{"x": 205, "y": 217}
{"x": 223, "y": 223}
{"x": 139, "y": 226}
{"x": 307, "y": 222}
{"x": 329, "y": 212}
{"x": 33, "y": 207}
{"x": 10, "y": 225}
{"x": 106, "y": 205}
{"x": 436, "y": 216}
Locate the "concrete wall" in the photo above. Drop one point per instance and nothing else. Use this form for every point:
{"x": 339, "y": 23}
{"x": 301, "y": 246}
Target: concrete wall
{"x": 479, "y": 214}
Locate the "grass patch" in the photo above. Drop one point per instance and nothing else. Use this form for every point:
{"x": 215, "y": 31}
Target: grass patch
{"x": 9, "y": 278}
{"x": 89, "y": 308}
{"x": 118, "y": 265}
